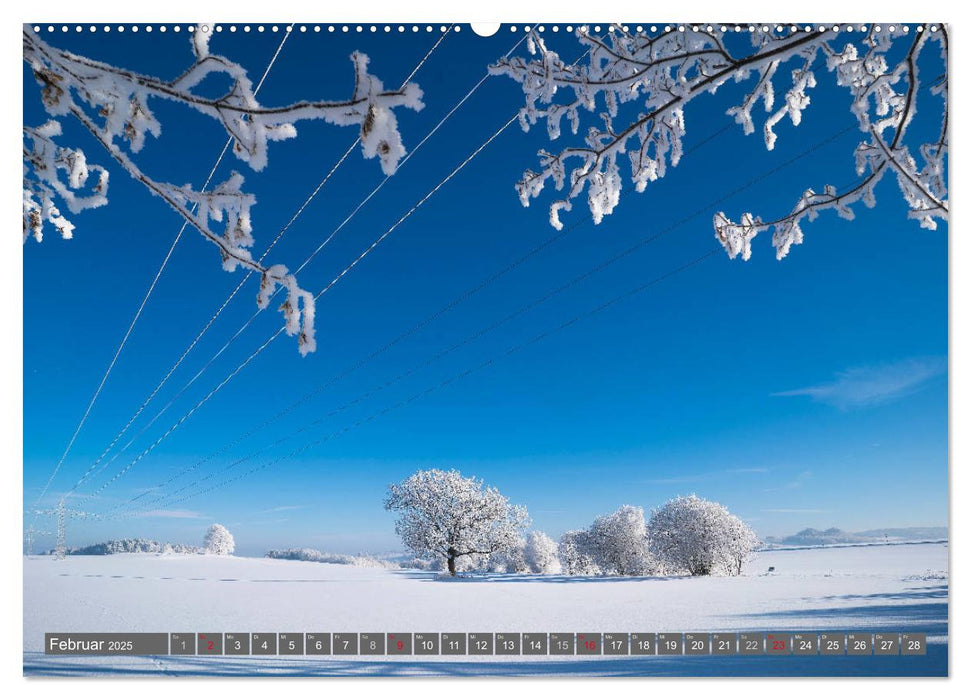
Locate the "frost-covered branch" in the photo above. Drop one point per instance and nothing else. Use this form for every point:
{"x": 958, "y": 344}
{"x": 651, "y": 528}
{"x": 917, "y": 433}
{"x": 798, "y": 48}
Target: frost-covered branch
{"x": 879, "y": 106}
{"x": 55, "y": 171}
{"x": 115, "y": 105}
{"x": 121, "y": 99}
{"x": 662, "y": 74}
{"x": 227, "y": 204}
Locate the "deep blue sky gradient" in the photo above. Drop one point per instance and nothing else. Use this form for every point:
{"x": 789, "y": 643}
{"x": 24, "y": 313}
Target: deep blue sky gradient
{"x": 668, "y": 392}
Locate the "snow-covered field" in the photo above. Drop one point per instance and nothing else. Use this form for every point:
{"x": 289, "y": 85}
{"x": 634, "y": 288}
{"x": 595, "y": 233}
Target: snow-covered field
{"x": 870, "y": 588}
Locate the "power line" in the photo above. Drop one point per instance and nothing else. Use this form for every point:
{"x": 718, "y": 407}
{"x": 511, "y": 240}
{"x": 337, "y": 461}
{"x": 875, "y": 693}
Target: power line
{"x": 242, "y": 282}
{"x": 453, "y": 378}
{"x": 347, "y": 269}
{"x": 407, "y": 156}
{"x": 384, "y": 348}
{"x": 151, "y": 288}
{"x": 333, "y": 282}
{"x": 411, "y": 331}
{"x": 353, "y": 213}
{"x": 521, "y": 310}
{"x": 239, "y": 331}
{"x": 281, "y": 330}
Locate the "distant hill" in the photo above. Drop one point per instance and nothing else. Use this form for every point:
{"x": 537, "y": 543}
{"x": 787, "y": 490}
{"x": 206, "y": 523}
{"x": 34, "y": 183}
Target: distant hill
{"x": 813, "y": 537}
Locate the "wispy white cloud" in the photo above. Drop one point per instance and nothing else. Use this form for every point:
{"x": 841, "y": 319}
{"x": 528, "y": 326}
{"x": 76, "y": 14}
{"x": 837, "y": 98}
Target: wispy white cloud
{"x": 173, "y": 514}
{"x": 281, "y": 509}
{"x": 866, "y": 386}
{"x": 693, "y": 478}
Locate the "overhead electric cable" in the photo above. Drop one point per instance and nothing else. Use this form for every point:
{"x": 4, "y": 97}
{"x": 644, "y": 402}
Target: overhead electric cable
{"x": 697, "y": 213}
{"x": 242, "y": 282}
{"x": 151, "y": 288}
{"x": 357, "y": 260}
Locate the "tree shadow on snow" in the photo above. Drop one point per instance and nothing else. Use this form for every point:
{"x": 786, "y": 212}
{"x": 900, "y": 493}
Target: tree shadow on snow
{"x": 436, "y": 577}
{"x": 913, "y": 593}
{"x": 930, "y": 618}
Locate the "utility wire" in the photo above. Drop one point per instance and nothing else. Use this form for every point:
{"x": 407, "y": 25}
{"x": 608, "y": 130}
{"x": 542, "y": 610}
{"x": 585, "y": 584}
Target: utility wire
{"x": 450, "y": 380}
{"x": 327, "y": 288}
{"x": 141, "y": 307}
{"x": 706, "y": 209}
{"x": 238, "y": 287}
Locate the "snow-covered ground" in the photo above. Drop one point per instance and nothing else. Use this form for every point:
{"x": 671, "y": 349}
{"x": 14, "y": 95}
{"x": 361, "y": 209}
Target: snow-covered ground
{"x": 890, "y": 588}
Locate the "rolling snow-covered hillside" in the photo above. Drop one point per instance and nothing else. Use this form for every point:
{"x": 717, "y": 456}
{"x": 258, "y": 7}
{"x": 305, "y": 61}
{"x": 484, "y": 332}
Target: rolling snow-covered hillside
{"x": 898, "y": 588}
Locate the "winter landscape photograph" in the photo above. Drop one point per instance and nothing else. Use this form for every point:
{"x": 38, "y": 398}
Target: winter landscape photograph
{"x": 486, "y": 350}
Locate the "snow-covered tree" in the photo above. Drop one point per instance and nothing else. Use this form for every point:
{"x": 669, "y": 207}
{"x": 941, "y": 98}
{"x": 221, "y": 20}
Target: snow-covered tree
{"x": 699, "y": 537}
{"x": 507, "y": 561}
{"x": 218, "y": 540}
{"x": 617, "y": 543}
{"x": 540, "y": 553}
{"x": 741, "y": 542}
{"x": 662, "y": 73}
{"x": 614, "y": 545}
{"x": 575, "y": 554}
{"x": 537, "y": 554}
{"x": 115, "y": 105}
{"x": 446, "y": 514}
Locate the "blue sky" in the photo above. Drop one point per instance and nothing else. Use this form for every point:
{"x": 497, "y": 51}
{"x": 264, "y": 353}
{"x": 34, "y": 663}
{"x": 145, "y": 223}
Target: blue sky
{"x": 806, "y": 392}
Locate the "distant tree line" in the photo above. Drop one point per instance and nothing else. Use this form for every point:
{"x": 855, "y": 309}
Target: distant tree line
{"x": 133, "y": 546}
{"x": 217, "y": 540}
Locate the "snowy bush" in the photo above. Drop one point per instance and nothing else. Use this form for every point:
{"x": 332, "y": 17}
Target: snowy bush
{"x": 218, "y": 540}
{"x": 507, "y": 561}
{"x": 306, "y": 554}
{"x": 741, "y": 543}
{"x": 445, "y": 514}
{"x": 614, "y": 545}
{"x": 699, "y": 537}
{"x": 423, "y": 563}
{"x": 617, "y": 543}
{"x": 575, "y": 554}
{"x": 540, "y": 553}
{"x": 637, "y": 88}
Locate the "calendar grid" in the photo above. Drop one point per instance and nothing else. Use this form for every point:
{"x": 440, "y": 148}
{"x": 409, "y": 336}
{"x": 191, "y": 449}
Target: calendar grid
{"x": 537, "y": 644}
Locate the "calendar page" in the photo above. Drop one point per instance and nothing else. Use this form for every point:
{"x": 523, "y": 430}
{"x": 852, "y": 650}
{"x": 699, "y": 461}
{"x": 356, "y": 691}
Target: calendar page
{"x": 522, "y": 349}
